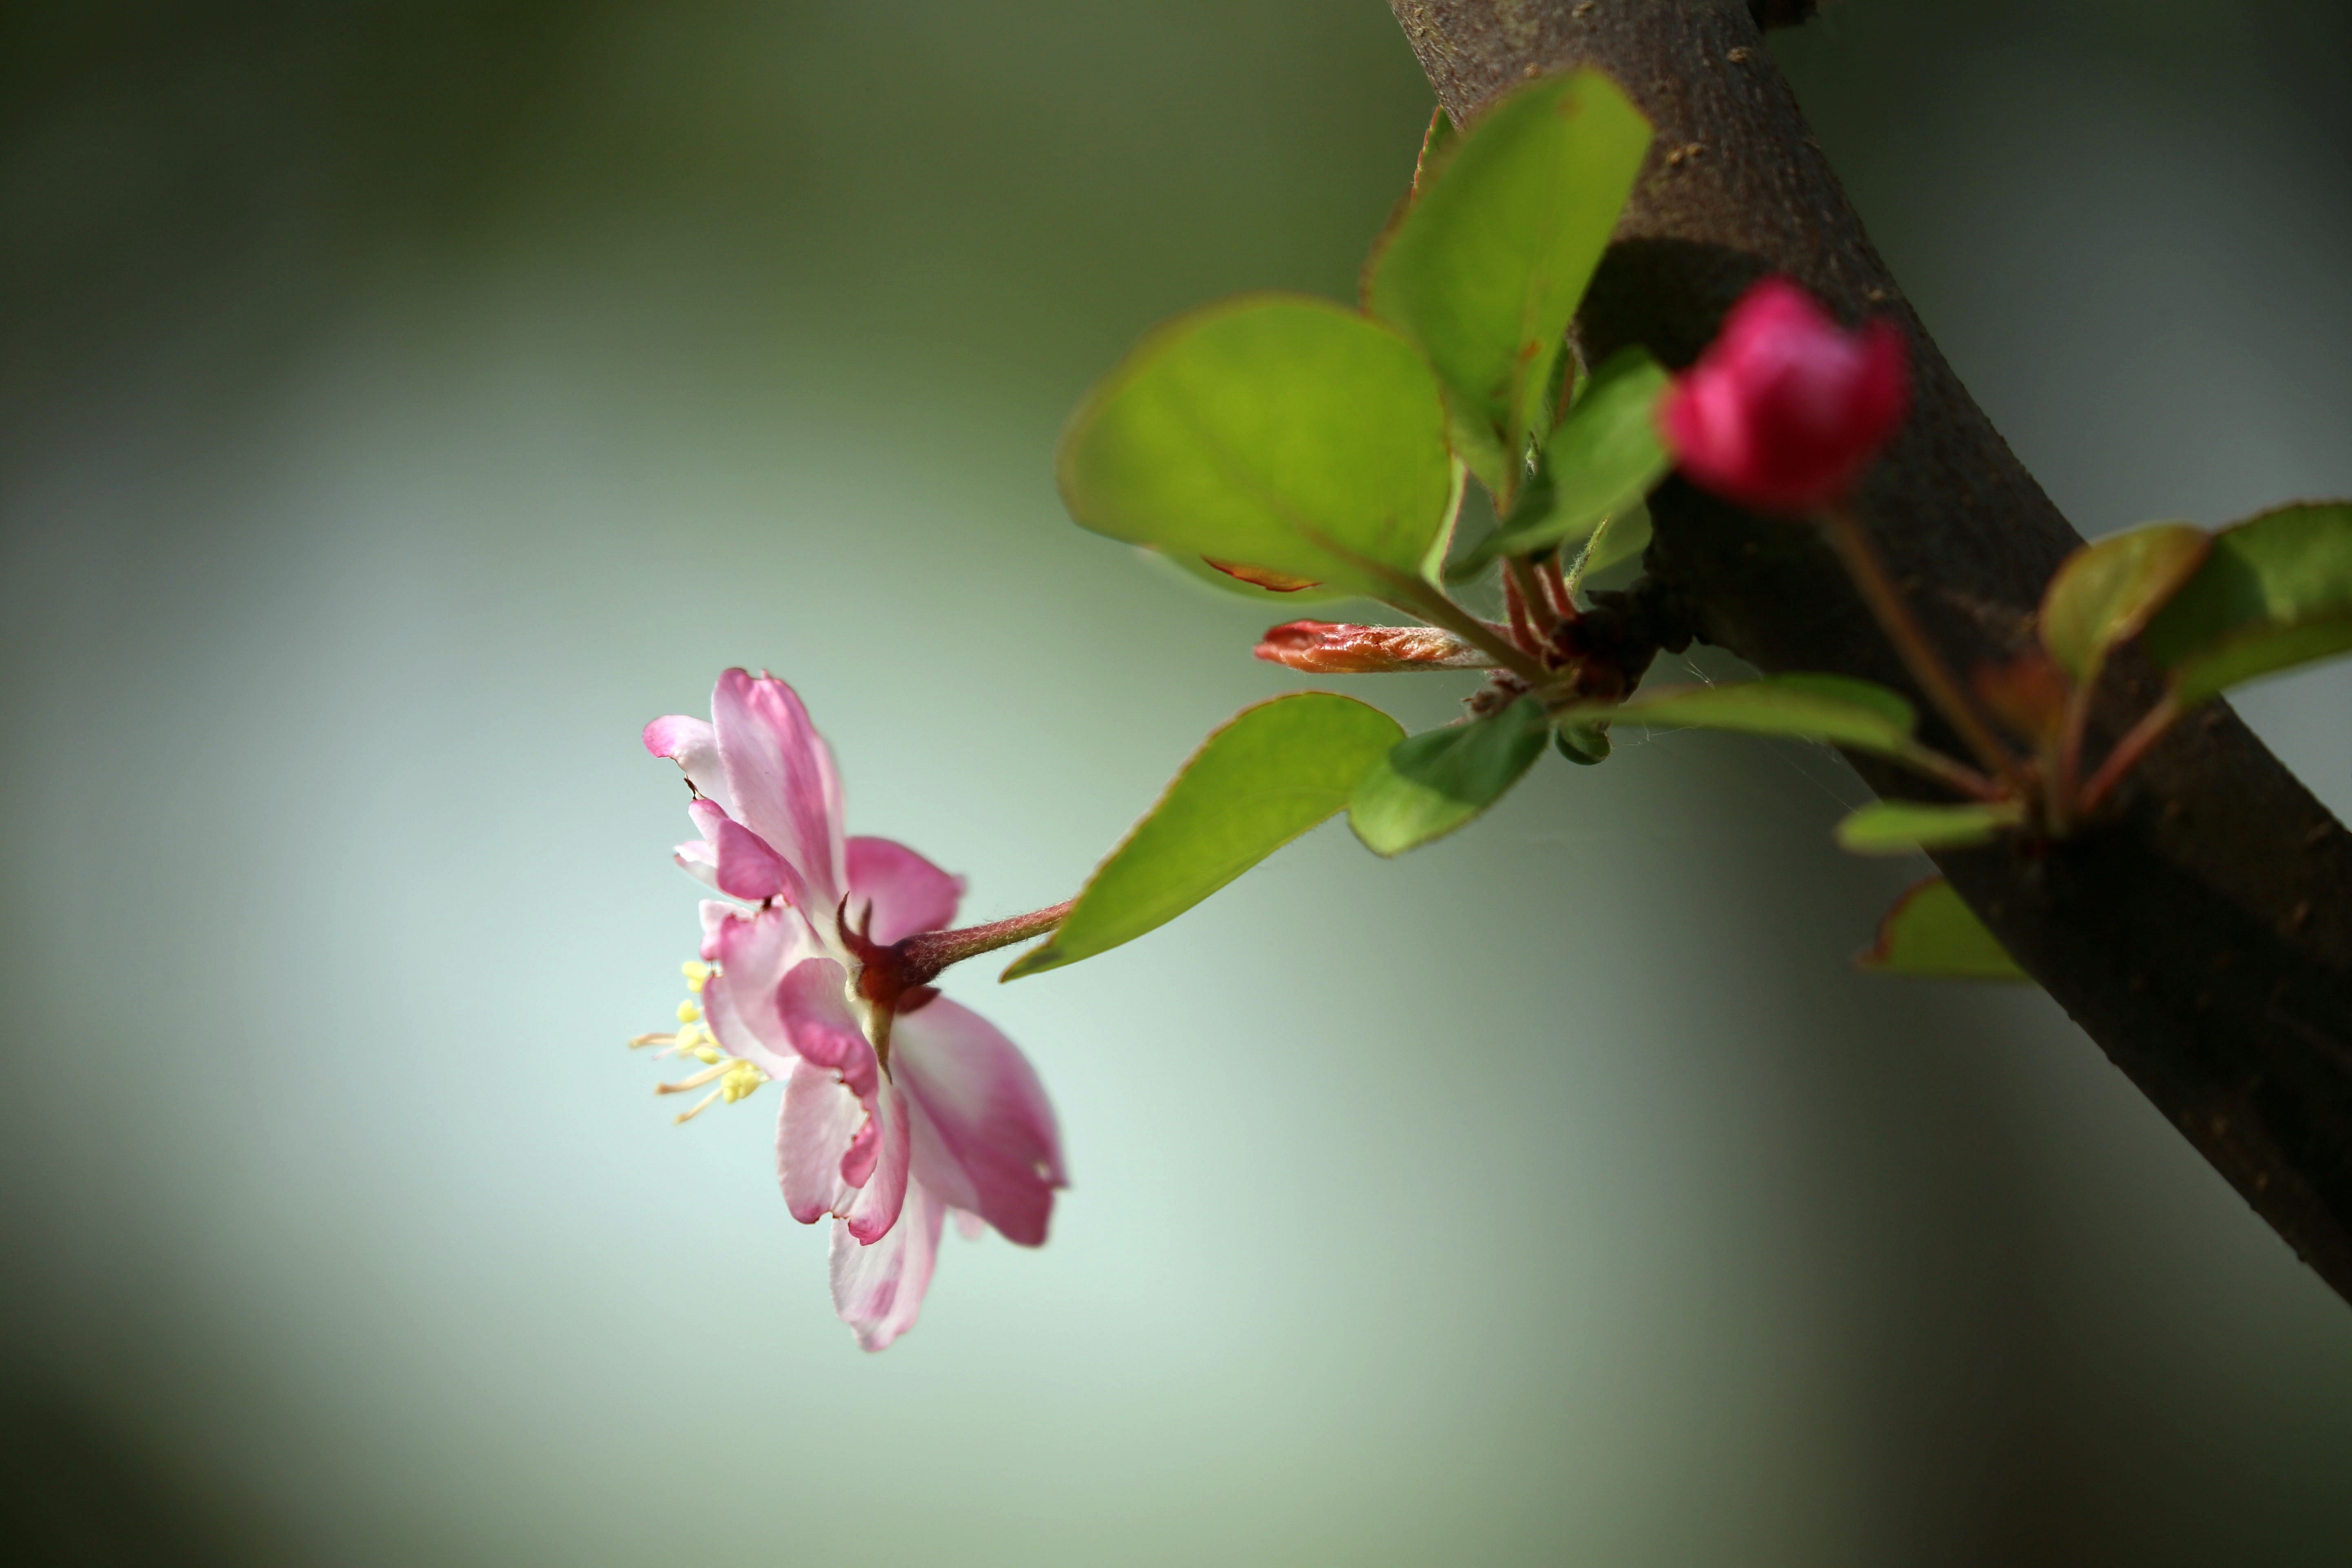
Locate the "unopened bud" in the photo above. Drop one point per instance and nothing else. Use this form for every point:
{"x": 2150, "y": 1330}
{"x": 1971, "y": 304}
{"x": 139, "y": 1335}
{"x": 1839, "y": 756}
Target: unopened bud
{"x": 1785, "y": 409}
{"x": 1324, "y": 647}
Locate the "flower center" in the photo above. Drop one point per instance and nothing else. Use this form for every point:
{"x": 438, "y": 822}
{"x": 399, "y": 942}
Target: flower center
{"x": 735, "y": 1078}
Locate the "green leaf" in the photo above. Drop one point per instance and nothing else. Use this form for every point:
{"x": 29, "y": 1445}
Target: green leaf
{"x": 1273, "y": 431}
{"x": 1434, "y": 782}
{"x": 1829, "y": 709}
{"x": 1604, "y": 458}
{"x": 2275, "y": 591}
{"x": 2104, "y": 593}
{"x": 1932, "y": 934}
{"x": 1899, "y": 827}
{"x": 1625, "y": 536}
{"x": 1485, "y": 269}
{"x": 1270, "y": 774}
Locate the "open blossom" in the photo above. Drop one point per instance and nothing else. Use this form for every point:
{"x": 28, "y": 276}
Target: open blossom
{"x": 1785, "y": 408}
{"x": 899, "y": 1106}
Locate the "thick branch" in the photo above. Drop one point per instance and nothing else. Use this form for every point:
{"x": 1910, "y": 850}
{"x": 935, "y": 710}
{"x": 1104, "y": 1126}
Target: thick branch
{"x": 2204, "y": 937}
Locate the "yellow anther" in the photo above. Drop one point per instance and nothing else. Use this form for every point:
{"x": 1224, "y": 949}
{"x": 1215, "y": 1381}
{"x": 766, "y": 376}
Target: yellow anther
{"x": 706, "y": 1054}
{"x": 696, "y": 971}
{"x": 740, "y": 1080}
{"x": 687, "y": 1013}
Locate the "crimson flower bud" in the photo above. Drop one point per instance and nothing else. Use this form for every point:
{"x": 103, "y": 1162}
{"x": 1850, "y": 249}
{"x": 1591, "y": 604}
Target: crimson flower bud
{"x": 1324, "y": 647}
{"x": 1785, "y": 408}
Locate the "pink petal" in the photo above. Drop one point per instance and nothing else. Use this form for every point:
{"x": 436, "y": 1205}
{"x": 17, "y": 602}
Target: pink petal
{"x": 781, "y": 774}
{"x": 882, "y": 1197}
{"x": 753, "y": 951}
{"x": 984, "y": 1134}
{"x": 879, "y": 1289}
{"x": 872, "y": 1161}
{"x": 816, "y": 1124}
{"x": 812, "y": 1000}
{"x": 693, "y": 745}
{"x": 898, "y": 890}
{"x": 742, "y": 866}
{"x": 842, "y": 1154}
{"x": 715, "y": 916}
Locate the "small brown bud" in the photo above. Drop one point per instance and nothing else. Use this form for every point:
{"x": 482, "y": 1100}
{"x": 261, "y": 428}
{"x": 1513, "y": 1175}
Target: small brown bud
{"x": 1324, "y": 647}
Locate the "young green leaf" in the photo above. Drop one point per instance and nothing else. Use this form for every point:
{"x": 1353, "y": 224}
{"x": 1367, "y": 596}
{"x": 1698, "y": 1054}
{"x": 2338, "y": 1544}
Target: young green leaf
{"x": 1275, "y": 433}
{"x": 1431, "y": 784}
{"x": 1830, "y": 709}
{"x": 1899, "y": 827}
{"x": 1931, "y": 933}
{"x": 2104, "y": 593}
{"x": 2275, "y": 591}
{"x": 1621, "y": 538}
{"x": 1487, "y": 266}
{"x": 1270, "y": 774}
{"x": 1604, "y": 458}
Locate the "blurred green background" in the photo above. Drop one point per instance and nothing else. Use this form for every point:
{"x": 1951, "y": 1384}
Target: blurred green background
{"x": 401, "y": 402}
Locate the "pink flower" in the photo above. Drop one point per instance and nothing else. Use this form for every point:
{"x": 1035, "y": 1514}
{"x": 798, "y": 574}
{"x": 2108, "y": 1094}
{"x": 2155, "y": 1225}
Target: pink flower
{"x": 899, "y": 1106}
{"x": 1785, "y": 409}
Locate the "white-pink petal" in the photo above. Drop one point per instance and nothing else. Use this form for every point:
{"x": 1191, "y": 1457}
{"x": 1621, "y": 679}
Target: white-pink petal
{"x": 780, "y": 773}
{"x": 894, "y": 892}
{"x": 984, "y": 1132}
{"x": 818, "y": 1121}
{"x": 879, "y": 1289}
{"x": 754, "y": 949}
{"x": 698, "y": 860}
{"x": 813, "y": 999}
{"x": 693, "y": 745}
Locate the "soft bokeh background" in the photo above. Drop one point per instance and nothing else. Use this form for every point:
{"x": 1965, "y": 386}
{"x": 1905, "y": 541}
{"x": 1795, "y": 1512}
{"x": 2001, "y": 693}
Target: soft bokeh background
{"x": 400, "y": 403}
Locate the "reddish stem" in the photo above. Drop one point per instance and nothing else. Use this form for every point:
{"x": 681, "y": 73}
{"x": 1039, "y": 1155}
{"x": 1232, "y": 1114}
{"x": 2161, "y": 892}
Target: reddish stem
{"x": 2129, "y": 752}
{"x": 921, "y": 957}
{"x": 1860, "y": 558}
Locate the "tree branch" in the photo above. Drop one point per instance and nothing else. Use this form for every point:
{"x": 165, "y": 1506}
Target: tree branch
{"x": 2203, "y": 935}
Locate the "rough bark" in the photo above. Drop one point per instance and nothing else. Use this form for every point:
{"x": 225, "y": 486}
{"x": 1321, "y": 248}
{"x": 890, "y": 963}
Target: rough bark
{"x": 2203, "y": 935}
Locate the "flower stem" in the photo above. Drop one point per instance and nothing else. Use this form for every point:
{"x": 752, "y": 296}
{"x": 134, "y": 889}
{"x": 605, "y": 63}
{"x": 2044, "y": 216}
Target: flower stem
{"x": 1540, "y": 609}
{"x": 926, "y": 954}
{"x": 1879, "y": 591}
{"x": 1417, "y": 598}
{"x": 2129, "y": 751}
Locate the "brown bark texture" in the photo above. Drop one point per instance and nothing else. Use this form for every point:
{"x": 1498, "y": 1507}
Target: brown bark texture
{"x": 2202, "y": 934}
